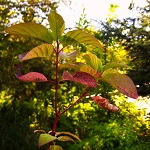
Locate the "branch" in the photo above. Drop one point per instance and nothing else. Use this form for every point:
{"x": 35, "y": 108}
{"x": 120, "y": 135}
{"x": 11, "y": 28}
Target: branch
{"x": 70, "y": 106}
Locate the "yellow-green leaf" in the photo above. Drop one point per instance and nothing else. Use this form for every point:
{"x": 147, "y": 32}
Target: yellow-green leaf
{"x": 90, "y": 71}
{"x": 113, "y": 65}
{"x": 93, "y": 61}
{"x": 46, "y": 138}
{"x": 30, "y": 29}
{"x": 44, "y": 50}
{"x": 65, "y": 138}
{"x": 79, "y": 36}
{"x": 57, "y": 24}
{"x": 67, "y": 133}
{"x": 56, "y": 147}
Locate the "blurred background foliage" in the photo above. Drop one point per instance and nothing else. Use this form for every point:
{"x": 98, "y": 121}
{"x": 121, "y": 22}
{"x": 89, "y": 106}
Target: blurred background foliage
{"x": 25, "y": 107}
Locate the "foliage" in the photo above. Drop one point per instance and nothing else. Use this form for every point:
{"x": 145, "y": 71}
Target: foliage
{"x": 54, "y": 53}
{"x": 25, "y": 107}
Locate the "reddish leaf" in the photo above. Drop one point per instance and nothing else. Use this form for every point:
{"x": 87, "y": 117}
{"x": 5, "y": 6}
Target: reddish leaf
{"x": 31, "y": 77}
{"x": 104, "y": 103}
{"x": 121, "y": 82}
{"x": 80, "y": 77}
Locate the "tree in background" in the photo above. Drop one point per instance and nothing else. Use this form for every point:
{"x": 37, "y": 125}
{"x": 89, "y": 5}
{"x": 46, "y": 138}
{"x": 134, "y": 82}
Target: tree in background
{"x": 132, "y": 35}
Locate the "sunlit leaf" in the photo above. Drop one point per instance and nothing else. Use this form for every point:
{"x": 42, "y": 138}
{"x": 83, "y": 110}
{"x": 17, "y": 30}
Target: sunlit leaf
{"x": 45, "y": 138}
{"x": 56, "y": 147}
{"x": 65, "y": 138}
{"x": 113, "y": 65}
{"x": 31, "y": 77}
{"x": 30, "y": 29}
{"x": 64, "y": 55}
{"x": 57, "y": 24}
{"x": 79, "y": 36}
{"x": 80, "y": 77}
{"x": 90, "y": 71}
{"x": 121, "y": 82}
{"x": 44, "y": 50}
{"x": 93, "y": 61}
{"x": 68, "y": 133}
{"x": 104, "y": 103}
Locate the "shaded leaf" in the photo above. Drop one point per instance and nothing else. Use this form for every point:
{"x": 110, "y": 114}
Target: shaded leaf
{"x": 64, "y": 55}
{"x": 113, "y": 65}
{"x": 57, "y": 24}
{"x": 30, "y": 29}
{"x": 65, "y": 138}
{"x": 104, "y": 103}
{"x": 93, "y": 61}
{"x": 39, "y": 131}
{"x": 121, "y": 82}
{"x": 31, "y": 77}
{"x": 68, "y": 133}
{"x": 45, "y": 138}
{"x": 44, "y": 50}
{"x": 79, "y": 36}
{"x": 90, "y": 71}
{"x": 56, "y": 147}
{"x": 80, "y": 77}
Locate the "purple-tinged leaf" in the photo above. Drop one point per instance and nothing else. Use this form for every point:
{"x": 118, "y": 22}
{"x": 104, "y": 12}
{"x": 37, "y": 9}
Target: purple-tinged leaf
{"x": 45, "y": 138}
{"x": 31, "y": 77}
{"x": 80, "y": 77}
{"x": 65, "y": 138}
{"x": 67, "y": 133}
{"x": 121, "y": 82}
{"x": 79, "y": 36}
{"x": 30, "y": 29}
{"x": 104, "y": 103}
{"x": 55, "y": 147}
{"x": 44, "y": 50}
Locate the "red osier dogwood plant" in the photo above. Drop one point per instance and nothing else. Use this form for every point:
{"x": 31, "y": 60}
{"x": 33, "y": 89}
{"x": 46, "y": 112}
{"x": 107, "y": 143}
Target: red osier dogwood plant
{"x": 89, "y": 73}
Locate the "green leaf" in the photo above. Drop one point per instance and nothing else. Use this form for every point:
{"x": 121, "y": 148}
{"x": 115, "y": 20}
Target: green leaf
{"x": 44, "y": 50}
{"x": 113, "y": 65}
{"x": 68, "y": 133}
{"x": 30, "y": 30}
{"x": 46, "y": 138}
{"x": 65, "y": 138}
{"x": 93, "y": 61}
{"x": 56, "y": 147}
{"x": 121, "y": 82}
{"x": 57, "y": 24}
{"x": 79, "y": 36}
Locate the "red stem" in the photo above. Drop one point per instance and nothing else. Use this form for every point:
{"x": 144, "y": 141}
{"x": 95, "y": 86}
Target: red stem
{"x": 70, "y": 106}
